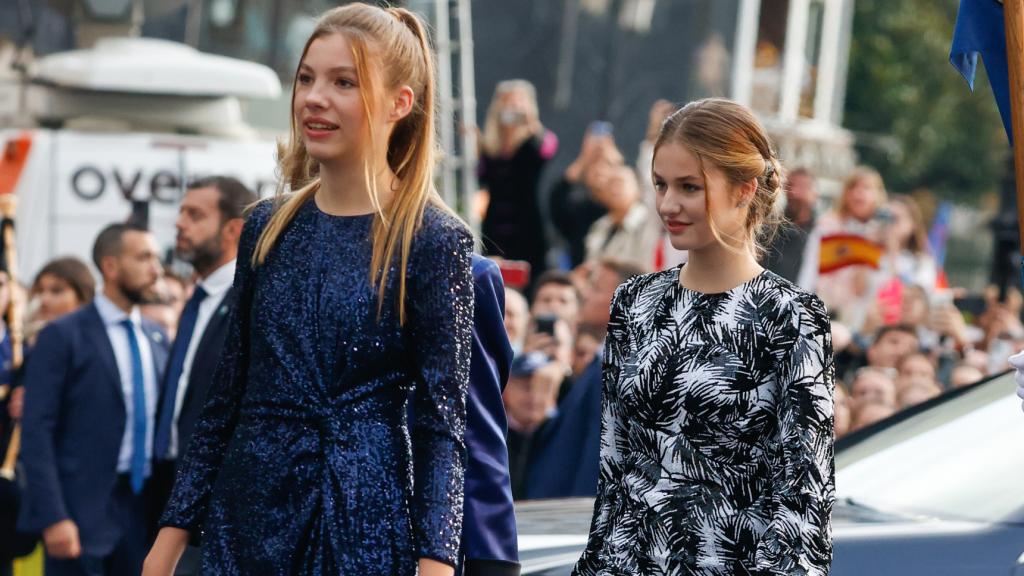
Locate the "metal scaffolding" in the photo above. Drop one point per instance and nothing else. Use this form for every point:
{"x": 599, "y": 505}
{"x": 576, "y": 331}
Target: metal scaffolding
{"x": 451, "y": 21}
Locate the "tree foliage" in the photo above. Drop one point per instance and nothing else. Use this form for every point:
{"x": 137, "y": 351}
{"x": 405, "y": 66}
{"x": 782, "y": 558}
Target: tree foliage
{"x": 916, "y": 119}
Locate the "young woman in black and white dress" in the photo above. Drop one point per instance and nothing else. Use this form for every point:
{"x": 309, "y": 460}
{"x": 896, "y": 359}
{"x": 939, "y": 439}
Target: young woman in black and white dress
{"x": 716, "y": 447}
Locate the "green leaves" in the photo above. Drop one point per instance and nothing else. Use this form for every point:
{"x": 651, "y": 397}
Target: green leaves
{"x": 901, "y": 86}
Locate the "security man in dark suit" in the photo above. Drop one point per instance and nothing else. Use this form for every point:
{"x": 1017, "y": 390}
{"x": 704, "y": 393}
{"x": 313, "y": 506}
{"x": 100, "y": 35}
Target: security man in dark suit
{"x": 489, "y": 541}
{"x": 91, "y": 390}
{"x": 208, "y": 228}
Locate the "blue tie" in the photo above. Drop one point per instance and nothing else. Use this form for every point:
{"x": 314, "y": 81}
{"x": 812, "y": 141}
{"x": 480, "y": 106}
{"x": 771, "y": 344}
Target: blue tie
{"x": 165, "y": 421}
{"x": 138, "y": 466}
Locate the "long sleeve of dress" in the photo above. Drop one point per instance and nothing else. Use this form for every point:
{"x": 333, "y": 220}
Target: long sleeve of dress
{"x": 614, "y": 432}
{"x": 440, "y": 303}
{"x": 187, "y": 506}
{"x": 799, "y": 539}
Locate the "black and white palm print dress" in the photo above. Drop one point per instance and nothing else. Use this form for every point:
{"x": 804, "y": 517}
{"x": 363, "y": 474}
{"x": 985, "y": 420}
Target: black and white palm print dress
{"x": 717, "y": 432}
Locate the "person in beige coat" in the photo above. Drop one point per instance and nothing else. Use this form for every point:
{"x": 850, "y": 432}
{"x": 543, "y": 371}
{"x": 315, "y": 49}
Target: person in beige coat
{"x": 630, "y": 231}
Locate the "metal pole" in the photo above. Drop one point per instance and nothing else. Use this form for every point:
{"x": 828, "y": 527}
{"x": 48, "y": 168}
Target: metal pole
{"x": 138, "y": 17}
{"x": 745, "y": 48}
{"x": 793, "y": 60}
{"x": 611, "y": 60}
{"x": 567, "y": 54}
{"x": 825, "y": 91}
{"x": 193, "y": 22}
{"x": 443, "y": 38}
{"x": 467, "y": 99}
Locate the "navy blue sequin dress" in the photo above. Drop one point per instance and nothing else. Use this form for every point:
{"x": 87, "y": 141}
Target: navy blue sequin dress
{"x": 302, "y": 461}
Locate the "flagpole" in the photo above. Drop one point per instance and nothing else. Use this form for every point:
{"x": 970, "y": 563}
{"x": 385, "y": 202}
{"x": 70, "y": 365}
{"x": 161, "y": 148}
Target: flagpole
{"x": 1013, "y": 15}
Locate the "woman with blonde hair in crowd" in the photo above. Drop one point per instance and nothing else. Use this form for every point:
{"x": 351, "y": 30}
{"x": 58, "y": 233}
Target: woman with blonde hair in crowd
{"x": 717, "y": 412}
{"x": 847, "y": 277}
{"x": 908, "y": 255}
{"x": 354, "y": 295}
{"x": 514, "y": 148}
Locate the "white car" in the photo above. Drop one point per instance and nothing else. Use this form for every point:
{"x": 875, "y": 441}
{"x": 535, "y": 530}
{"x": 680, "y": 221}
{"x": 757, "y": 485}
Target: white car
{"x": 935, "y": 490}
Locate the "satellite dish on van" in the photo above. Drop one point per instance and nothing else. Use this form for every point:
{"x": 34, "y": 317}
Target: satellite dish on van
{"x": 112, "y": 10}
{"x": 151, "y": 66}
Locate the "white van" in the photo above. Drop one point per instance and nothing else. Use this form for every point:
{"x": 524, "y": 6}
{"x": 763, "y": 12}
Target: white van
{"x": 122, "y": 127}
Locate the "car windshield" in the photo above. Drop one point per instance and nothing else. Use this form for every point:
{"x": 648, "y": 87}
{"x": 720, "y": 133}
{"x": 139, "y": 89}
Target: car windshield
{"x": 962, "y": 458}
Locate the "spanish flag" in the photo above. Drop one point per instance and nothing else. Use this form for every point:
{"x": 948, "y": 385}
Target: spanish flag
{"x": 842, "y": 250}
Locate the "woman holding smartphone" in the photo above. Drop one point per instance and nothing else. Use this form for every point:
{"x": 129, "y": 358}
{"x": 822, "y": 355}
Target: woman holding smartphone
{"x": 849, "y": 288}
{"x": 514, "y": 148}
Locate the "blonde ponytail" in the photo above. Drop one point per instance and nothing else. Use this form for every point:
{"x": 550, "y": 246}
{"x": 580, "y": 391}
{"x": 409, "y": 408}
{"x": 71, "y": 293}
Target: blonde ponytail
{"x": 397, "y": 42}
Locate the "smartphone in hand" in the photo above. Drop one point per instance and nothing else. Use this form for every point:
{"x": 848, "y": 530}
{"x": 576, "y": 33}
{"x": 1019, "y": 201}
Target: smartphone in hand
{"x": 546, "y": 324}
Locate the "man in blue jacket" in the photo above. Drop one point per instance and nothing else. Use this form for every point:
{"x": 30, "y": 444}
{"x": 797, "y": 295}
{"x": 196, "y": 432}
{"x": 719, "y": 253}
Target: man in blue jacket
{"x": 489, "y": 540}
{"x": 92, "y": 384}
{"x": 566, "y": 461}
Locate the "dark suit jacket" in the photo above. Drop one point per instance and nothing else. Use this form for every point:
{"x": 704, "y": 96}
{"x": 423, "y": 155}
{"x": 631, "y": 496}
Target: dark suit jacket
{"x": 73, "y": 424}
{"x": 489, "y": 540}
{"x": 203, "y": 364}
{"x": 566, "y": 455}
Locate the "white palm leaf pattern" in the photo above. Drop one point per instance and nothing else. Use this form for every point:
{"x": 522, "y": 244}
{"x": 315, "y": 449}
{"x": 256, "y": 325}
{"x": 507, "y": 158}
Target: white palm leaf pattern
{"x": 716, "y": 444}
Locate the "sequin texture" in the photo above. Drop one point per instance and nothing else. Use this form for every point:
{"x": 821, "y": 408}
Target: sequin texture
{"x": 303, "y": 461}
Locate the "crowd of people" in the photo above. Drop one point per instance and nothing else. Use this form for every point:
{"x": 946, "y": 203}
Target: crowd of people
{"x": 66, "y": 423}
{"x": 900, "y": 335}
{"x": 303, "y": 427}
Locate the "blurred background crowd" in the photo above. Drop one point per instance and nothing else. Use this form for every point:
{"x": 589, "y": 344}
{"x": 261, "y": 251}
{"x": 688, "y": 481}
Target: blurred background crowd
{"x": 901, "y": 334}
{"x": 898, "y": 196}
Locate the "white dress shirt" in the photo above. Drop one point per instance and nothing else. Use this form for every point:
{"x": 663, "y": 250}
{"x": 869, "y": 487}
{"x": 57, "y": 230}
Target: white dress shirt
{"x": 216, "y": 286}
{"x": 112, "y": 317}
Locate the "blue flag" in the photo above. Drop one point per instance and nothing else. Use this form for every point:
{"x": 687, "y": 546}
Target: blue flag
{"x": 938, "y": 236}
{"x": 980, "y": 30}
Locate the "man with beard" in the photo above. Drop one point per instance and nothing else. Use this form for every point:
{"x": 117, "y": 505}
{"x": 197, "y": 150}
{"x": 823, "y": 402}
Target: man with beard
{"x": 209, "y": 225}
{"x": 93, "y": 381}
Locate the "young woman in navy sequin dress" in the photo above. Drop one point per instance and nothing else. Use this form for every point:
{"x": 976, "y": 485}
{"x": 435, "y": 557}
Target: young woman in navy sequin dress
{"x": 716, "y": 438}
{"x": 355, "y": 294}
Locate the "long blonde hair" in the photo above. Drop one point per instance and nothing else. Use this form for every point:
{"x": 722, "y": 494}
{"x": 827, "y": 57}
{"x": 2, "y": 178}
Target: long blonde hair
{"x": 731, "y": 138}
{"x": 491, "y": 140}
{"x": 858, "y": 175}
{"x": 390, "y": 48}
